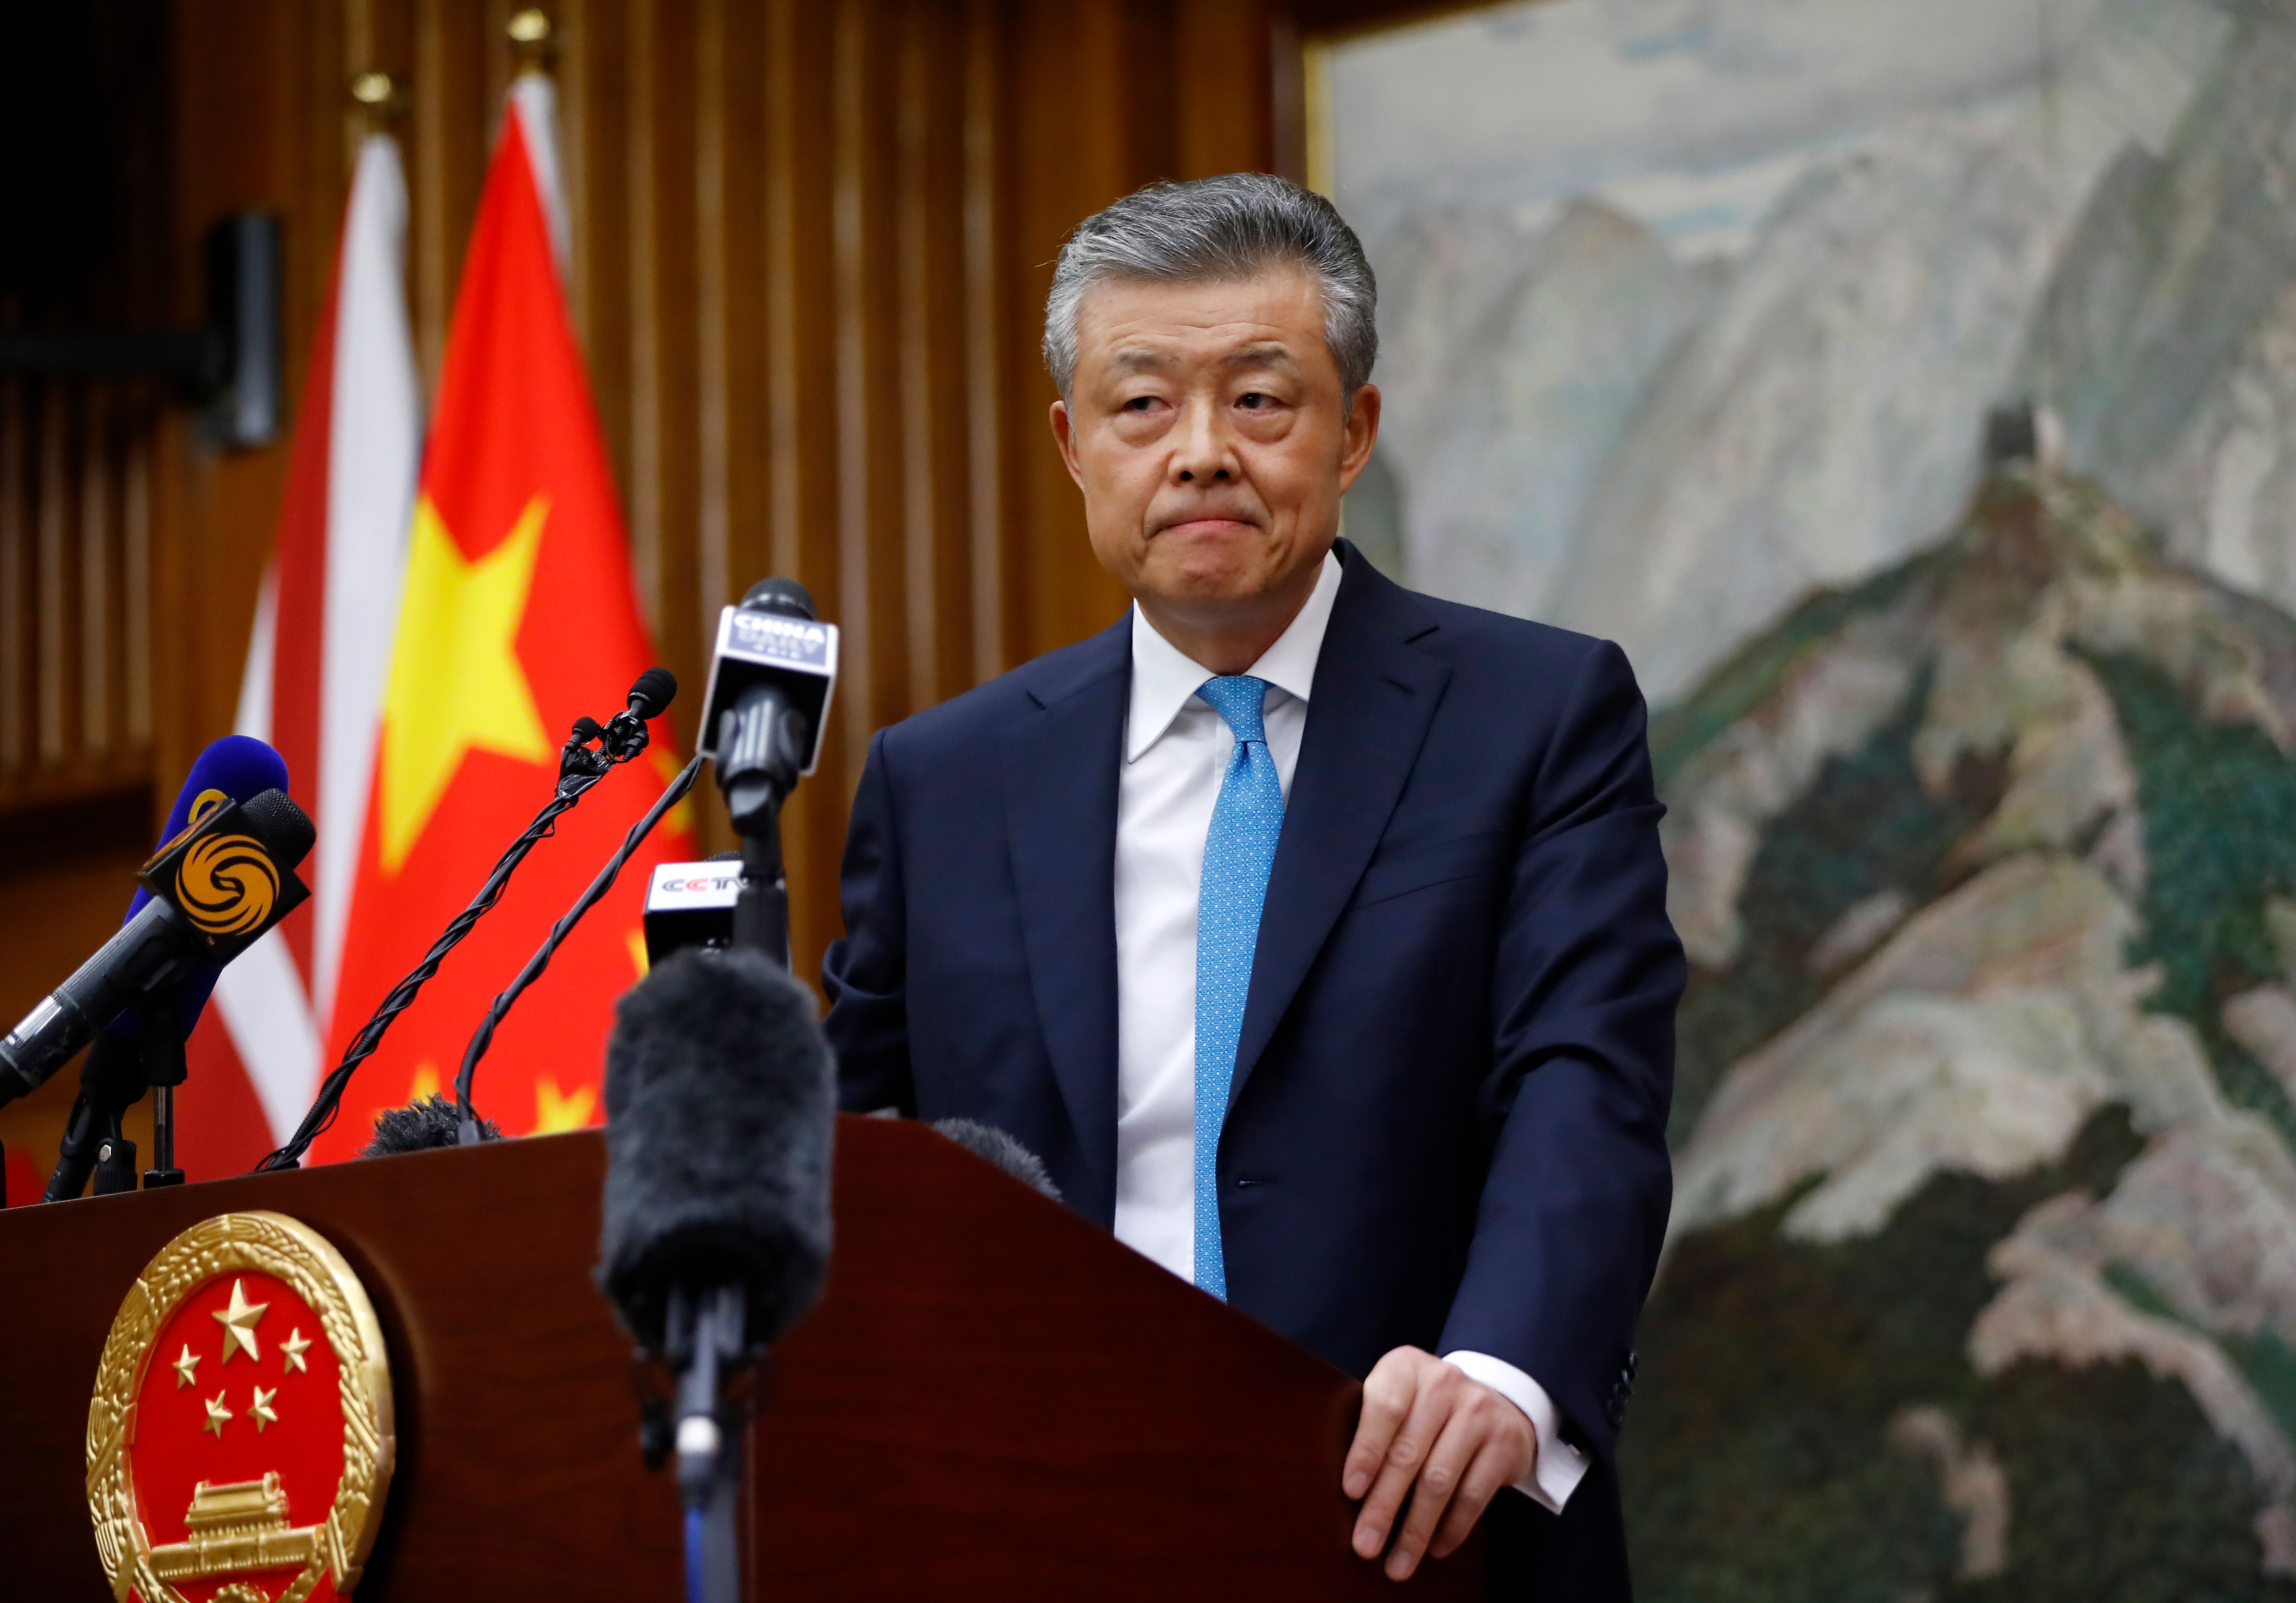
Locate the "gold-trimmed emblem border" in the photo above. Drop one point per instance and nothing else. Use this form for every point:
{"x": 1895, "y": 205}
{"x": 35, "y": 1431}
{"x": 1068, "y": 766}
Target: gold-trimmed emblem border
{"x": 270, "y": 1244}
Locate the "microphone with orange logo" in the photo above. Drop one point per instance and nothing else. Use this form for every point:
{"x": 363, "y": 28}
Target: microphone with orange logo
{"x": 215, "y": 890}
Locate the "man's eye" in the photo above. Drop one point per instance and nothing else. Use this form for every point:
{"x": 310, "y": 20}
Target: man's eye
{"x": 1140, "y": 403}
{"x": 1253, "y": 401}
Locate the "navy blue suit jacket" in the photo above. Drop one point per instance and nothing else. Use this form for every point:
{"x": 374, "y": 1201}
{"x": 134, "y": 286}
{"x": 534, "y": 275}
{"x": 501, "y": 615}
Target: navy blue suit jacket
{"x": 1448, "y": 1120}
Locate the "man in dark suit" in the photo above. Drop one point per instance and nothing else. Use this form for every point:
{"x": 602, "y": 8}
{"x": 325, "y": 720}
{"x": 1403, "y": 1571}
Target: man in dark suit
{"x": 1312, "y": 931}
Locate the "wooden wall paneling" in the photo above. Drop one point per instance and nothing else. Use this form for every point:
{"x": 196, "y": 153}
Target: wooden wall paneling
{"x": 926, "y": 112}
{"x": 873, "y": 686}
{"x": 136, "y": 442}
{"x": 801, "y": 362}
{"x": 593, "y": 101}
{"x": 442, "y": 195}
{"x": 910, "y": 110}
{"x": 666, "y": 458}
{"x": 1069, "y": 77}
{"x": 987, "y": 349}
{"x": 1220, "y": 94}
{"x": 98, "y": 629}
{"x": 53, "y": 617}
{"x": 17, "y": 678}
{"x": 712, "y": 394}
{"x": 245, "y": 139}
{"x": 733, "y": 182}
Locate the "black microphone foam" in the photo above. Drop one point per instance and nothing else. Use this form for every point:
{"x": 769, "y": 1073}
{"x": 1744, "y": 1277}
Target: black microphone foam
{"x": 720, "y": 1114}
{"x": 653, "y": 692}
{"x": 782, "y": 596}
{"x": 285, "y": 829}
{"x": 420, "y": 1126}
{"x": 1004, "y": 1151}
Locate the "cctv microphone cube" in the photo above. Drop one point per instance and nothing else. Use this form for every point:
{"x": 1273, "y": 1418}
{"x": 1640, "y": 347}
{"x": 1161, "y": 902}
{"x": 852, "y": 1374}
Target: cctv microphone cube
{"x": 690, "y": 904}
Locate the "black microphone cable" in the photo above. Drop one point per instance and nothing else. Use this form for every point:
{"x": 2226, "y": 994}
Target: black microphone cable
{"x": 470, "y": 1124}
{"x": 580, "y": 766}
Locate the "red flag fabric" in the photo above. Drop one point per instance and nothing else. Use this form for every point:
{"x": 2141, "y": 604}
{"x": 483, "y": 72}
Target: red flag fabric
{"x": 519, "y": 616}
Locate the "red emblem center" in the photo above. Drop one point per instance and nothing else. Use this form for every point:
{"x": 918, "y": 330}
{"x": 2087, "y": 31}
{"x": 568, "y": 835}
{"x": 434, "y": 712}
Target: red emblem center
{"x": 238, "y": 1443}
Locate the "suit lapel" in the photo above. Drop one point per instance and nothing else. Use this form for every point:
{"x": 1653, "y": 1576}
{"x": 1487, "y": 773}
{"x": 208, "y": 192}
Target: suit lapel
{"x": 1062, "y": 765}
{"x": 1373, "y": 696}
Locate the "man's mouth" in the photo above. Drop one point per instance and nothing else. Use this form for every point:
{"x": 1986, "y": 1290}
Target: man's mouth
{"x": 1207, "y": 526}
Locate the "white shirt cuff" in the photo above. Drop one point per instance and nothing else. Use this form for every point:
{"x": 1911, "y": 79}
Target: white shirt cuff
{"x": 1557, "y": 1467}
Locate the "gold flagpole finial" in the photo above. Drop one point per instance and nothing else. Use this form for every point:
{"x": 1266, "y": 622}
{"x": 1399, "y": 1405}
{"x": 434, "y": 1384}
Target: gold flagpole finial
{"x": 532, "y": 37}
{"x": 380, "y": 95}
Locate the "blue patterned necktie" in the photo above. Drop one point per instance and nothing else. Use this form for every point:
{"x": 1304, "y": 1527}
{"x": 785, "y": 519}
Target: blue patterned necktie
{"x": 1239, "y": 851}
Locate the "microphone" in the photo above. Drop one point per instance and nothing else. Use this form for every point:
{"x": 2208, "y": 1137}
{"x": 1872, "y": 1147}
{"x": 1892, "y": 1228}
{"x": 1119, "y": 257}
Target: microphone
{"x": 590, "y": 753}
{"x": 655, "y": 688}
{"x": 624, "y": 736}
{"x": 763, "y": 720}
{"x": 720, "y": 1120}
{"x": 765, "y": 709}
{"x": 238, "y": 768}
{"x": 134, "y": 1053}
{"x": 1001, "y": 1151}
{"x": 690, "y": 904}
{"x": 420, "y": 1126}
{"x": 215, "y": 890}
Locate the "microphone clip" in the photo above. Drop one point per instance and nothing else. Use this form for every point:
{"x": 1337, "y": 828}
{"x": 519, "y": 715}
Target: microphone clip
{"x": 594, "y": 749}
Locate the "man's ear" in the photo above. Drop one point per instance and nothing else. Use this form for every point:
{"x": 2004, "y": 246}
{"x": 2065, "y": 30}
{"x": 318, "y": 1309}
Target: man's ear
{"x": 1357, "y": 435}
{"x": 1064, "y": 435}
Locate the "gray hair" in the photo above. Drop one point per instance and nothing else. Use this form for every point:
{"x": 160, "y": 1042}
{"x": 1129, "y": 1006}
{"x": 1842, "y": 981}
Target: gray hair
{"x": 1230, "y": 227}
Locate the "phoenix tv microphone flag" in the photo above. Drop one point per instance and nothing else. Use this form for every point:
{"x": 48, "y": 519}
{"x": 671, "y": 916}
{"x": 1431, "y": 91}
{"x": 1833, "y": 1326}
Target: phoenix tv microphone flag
{"x": 518, "y": 616}
{"x": 315, "y": 674}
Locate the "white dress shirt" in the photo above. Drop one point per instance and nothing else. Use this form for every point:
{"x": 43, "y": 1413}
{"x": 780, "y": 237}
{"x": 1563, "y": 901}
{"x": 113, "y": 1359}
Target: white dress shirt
{"x": 1175, "y": 753}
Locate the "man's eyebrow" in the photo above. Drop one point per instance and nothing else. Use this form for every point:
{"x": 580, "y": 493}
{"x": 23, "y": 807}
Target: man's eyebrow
{"x": 1267, "y": 353}
{"x": 1140, "y": 359}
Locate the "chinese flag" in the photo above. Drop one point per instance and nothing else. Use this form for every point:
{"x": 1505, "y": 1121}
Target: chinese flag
{"x": 518, "y": 617}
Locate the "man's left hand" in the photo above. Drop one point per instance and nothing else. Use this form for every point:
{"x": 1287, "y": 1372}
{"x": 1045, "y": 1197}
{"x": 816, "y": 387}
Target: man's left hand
{"x": 1426, "y": 1423}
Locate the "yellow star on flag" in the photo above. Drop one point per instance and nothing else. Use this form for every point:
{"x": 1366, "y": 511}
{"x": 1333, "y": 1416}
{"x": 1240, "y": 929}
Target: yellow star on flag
{"x": 553, "y": 1111}
{"x": 426, "y": 1083}
{"x": 456, "y": 686}
{"x": 291, "y": 1350}
{"x": 238, "y": 1322}
{"x": 184, "y": 1365}
{"x": 216, "y": 1415}
{"x": 259, "y": 1411}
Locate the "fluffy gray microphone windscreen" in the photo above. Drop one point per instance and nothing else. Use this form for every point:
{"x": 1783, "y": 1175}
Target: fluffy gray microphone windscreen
{"x": 420, "y": 1126}
{"x": 1002, "y": 1150}
{"x": 720, "y": 1114}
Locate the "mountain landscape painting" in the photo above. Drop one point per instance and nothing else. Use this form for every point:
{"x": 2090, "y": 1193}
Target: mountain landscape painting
{"x": 1909, "y": 386}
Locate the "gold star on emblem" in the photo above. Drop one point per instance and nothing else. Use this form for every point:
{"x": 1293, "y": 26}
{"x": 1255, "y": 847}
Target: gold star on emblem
{"x": 216, "y": 1415}
{"x": 291, "y": 1351}
{"x": 259, "y": 1411}
{"x": 238, "y": 1322}
{"x": 183, "y": 1367}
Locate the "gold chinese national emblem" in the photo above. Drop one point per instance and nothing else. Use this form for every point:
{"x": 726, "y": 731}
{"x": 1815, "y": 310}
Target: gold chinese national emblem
{"x": 239, "y": 1444}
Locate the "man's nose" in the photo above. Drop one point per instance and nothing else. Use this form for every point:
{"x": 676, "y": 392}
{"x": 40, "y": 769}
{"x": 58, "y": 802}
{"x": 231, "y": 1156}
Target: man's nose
{"x": 1201, "y": 454}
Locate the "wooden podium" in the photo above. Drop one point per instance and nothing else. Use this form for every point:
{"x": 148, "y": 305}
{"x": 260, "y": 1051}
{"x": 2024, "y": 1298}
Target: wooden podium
{"x": 993, "y": 1400}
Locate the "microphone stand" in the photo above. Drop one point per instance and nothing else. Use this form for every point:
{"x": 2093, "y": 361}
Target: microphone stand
{"x": 761, "y": 909}
{"x": 117, "y": 1074}
{"x": 760, "y": 753}
{"x": 705, "y": 1342}
{"x": 467, "y": 1133}
{"x": 164, "y": 1069}
{"x": 578, "y": 768}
